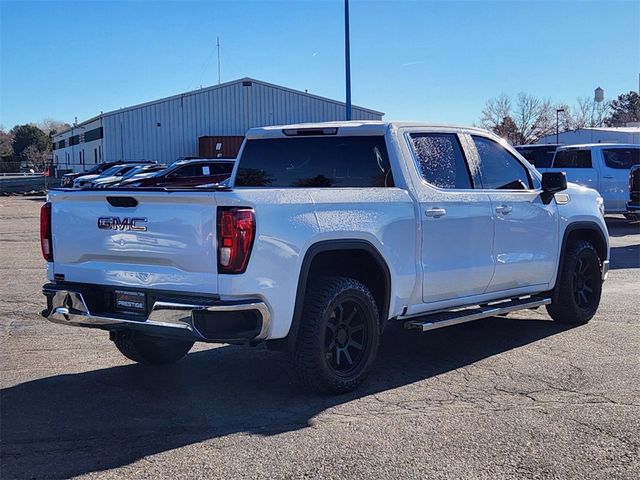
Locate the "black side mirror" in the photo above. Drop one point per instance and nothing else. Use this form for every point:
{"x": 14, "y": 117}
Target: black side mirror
{"x": 552, "y": 182}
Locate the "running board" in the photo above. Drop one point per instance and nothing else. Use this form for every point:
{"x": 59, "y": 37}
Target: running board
{"x": 446, "y": 319}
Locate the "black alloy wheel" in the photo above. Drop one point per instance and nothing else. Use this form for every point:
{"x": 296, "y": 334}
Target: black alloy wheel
{"x": 346, "y": 337}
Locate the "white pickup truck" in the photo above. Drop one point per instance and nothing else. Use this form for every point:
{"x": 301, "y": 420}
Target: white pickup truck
{"x": 325, "y": 234}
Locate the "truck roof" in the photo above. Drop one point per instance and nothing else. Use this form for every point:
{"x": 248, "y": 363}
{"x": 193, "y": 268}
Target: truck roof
{"x": 592, "y": 145}
{"x": 346, "y": 128}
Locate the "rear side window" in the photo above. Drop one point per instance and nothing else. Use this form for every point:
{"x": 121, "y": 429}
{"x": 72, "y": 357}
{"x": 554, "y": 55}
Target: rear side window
{"x": 540, "y": 157}
{"x": 621, "y": 158}
{"x": 188, "y": 171}
{"x": 572, "y": 159}
{"x": 315, "y": 162}
{"x": 440, "y": 160}
{"x": 499, "y": 169}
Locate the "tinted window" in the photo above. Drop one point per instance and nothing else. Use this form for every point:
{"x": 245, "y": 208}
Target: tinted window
{"x": 192, "y": 170}
{"x": 499, "y": 169}
{"x": 540, "y": 157}
{"x": 622, "y": 158}
{"x": 94, "y": 134}
{"x": 440, "y": 160}
{"x": 572, "y": 159}
{"x": 219, "y": 168}
{"x": 315, "y": 162}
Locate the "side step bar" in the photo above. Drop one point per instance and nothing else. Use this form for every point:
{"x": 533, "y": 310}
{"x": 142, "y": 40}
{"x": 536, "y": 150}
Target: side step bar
{"x": 446, "y": 319}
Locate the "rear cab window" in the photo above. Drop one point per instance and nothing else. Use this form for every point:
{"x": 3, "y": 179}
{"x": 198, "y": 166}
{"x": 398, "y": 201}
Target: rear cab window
{"x": 315, "y": 162}
{"x": 539, "y": 157}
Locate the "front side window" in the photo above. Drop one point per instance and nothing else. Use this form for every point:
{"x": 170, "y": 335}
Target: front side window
{"x": 498, "y": 169}
{"x": 572, "y": 159}
{"x": 621, "y": 158}
{"x": 315, "y": 162}
{"x": 440, "y": 160}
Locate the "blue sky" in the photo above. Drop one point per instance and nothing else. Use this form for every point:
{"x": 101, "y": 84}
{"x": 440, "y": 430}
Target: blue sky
{"x": 420, "y": 60}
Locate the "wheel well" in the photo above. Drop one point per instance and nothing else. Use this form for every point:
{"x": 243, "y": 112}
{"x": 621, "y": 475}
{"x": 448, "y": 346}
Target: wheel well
{"x": 591, "y": 236}
{"x": 349, "y": 258}
{"x": 357, "y": 264}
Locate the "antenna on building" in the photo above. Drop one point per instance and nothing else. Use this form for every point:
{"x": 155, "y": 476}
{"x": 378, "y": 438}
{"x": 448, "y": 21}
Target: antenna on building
{"x": 218, "y": 47}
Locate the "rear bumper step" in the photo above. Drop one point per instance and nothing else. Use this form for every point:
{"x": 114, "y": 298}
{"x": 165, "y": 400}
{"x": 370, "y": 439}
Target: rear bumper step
{"x": 230, "y": 322}
{"x": 446, "y": 319}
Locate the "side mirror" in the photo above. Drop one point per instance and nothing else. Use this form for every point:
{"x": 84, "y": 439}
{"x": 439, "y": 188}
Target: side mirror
{"x": 552, "y": 182}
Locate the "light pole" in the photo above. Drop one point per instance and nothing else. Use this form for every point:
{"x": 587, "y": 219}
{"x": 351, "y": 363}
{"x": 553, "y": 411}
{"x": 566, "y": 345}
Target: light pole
{"x": 347, "y": 58}
{"x": 558, "y": 110}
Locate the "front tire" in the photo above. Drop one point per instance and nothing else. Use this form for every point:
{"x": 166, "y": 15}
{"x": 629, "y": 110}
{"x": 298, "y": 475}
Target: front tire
{"x": 579, "y": 287}
{"x": 150, "y": 350}
{"x": 339, "y": 335}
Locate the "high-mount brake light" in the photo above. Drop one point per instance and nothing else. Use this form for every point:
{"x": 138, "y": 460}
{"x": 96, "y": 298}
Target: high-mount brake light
{"x": 46, "y": 243}
{"x": 236, "y": 231}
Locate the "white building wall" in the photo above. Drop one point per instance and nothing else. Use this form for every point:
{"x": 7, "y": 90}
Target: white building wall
{"x": 82, "y": 156}
{"x": 168, "y": 129}
{"x": 596, "y": 135}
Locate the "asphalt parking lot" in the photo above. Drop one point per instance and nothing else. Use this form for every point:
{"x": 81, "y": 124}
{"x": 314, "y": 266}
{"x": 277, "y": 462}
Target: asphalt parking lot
{"x": 514, "y": 397}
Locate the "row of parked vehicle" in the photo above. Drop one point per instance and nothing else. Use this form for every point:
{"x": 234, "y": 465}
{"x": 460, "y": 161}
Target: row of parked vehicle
{"x": 612, "y": 169}
{"x": 190, "y": 172}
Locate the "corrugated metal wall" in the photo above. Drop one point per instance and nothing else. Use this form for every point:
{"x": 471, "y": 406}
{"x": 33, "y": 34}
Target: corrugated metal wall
{"x": 168, "y": 129}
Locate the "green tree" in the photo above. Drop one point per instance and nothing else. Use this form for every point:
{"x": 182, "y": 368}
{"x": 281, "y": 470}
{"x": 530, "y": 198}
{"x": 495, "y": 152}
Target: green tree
{"x": 25, "y": 136}
{"x": 5, "y": 143}
{"x": 624, "y": 109}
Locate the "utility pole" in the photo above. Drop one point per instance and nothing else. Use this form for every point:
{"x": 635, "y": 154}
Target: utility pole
{"x": 218, "y": 47}
{"x": 347, "y": 57}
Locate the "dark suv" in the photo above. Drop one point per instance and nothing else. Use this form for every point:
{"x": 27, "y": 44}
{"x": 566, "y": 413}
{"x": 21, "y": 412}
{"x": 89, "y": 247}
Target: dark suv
{"x": 633, "y": 205}
{"x": 187, "y": 173}
{"x": 68, "y": 178}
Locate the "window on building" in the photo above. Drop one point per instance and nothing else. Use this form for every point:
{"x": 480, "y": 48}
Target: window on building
{"x": 315, "y": 162}
{"x": 572, "y": 159}
{"x": 95, "y": 155}
{"x": 499, "y": 169}
{"x": 440, "y": 160}
{"x": 61, "y": 143}
{"x": 621, "y": 158}
{"x": 75, "y": 140}
{"x": 91, "y": 135}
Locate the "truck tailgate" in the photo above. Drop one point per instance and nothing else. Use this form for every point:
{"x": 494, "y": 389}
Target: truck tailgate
{"x": 154, "y": 240}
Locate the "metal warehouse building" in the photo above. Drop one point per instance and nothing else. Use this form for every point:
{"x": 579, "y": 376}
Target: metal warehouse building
{"x": 208, "y": 122}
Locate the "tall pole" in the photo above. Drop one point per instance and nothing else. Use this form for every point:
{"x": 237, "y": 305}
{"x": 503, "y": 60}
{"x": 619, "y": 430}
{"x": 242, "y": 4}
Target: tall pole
{"x": 558, "y": 110}
{"x": 218, "y": 48}
{"x": 347, "y": 57}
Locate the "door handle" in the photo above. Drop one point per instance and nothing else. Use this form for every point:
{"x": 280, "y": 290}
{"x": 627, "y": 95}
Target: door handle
{"x": 607, "y": 176}
{"x": 504, "y": 209}
{"x": 436, "y": 212}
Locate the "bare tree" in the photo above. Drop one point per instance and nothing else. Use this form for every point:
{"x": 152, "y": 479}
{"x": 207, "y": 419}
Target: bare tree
{"x": 35, "y": 157}
{"x": 51, "y": 126}
{"x": 5, "y": 142}
{"x": 534, "y": 117}
{"x": 495, "y": 111}
{"x": 589, "y": 113}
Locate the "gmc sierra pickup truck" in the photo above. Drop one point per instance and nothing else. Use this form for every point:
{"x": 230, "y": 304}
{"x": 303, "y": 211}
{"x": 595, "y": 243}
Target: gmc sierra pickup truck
{"x": 325, "y": 234}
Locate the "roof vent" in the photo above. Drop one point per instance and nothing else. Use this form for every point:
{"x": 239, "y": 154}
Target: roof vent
{"x": 247, "y": 83}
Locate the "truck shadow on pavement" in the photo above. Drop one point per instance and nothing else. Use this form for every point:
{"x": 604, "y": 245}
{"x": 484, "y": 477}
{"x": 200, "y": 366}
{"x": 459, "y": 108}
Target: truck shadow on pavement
{"x": 69, "y": 425}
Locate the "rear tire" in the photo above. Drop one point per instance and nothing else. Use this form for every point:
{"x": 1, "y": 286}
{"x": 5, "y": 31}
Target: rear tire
{"x": 150, "y": 350}
{"x": 339, "y": 335}
{"x": 579, "y": 287}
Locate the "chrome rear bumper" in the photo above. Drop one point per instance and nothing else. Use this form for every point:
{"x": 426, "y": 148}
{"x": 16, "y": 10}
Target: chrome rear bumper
{"x": 68, "y": 307}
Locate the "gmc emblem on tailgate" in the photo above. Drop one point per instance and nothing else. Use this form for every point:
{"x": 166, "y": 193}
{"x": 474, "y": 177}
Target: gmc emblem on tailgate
{"x": 126, "y": 223}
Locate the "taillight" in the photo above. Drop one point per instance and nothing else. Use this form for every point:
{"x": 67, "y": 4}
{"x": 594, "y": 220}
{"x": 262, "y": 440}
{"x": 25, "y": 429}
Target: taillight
{"x": 236, "y": 229}
{"x": 45, "y": 232}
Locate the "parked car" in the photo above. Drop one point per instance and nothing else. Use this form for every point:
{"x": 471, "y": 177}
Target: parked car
{"x": 540, "y": 156}
{"x": 137, "y": 172}
{"x": 601, "y": 166}
{"x": 633, "y": 205}
{"x": 115, "y": 171}
{"x": 327, "y": 233}
{"x": 68, "y": 178}
{"x": 187, "y": 173}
